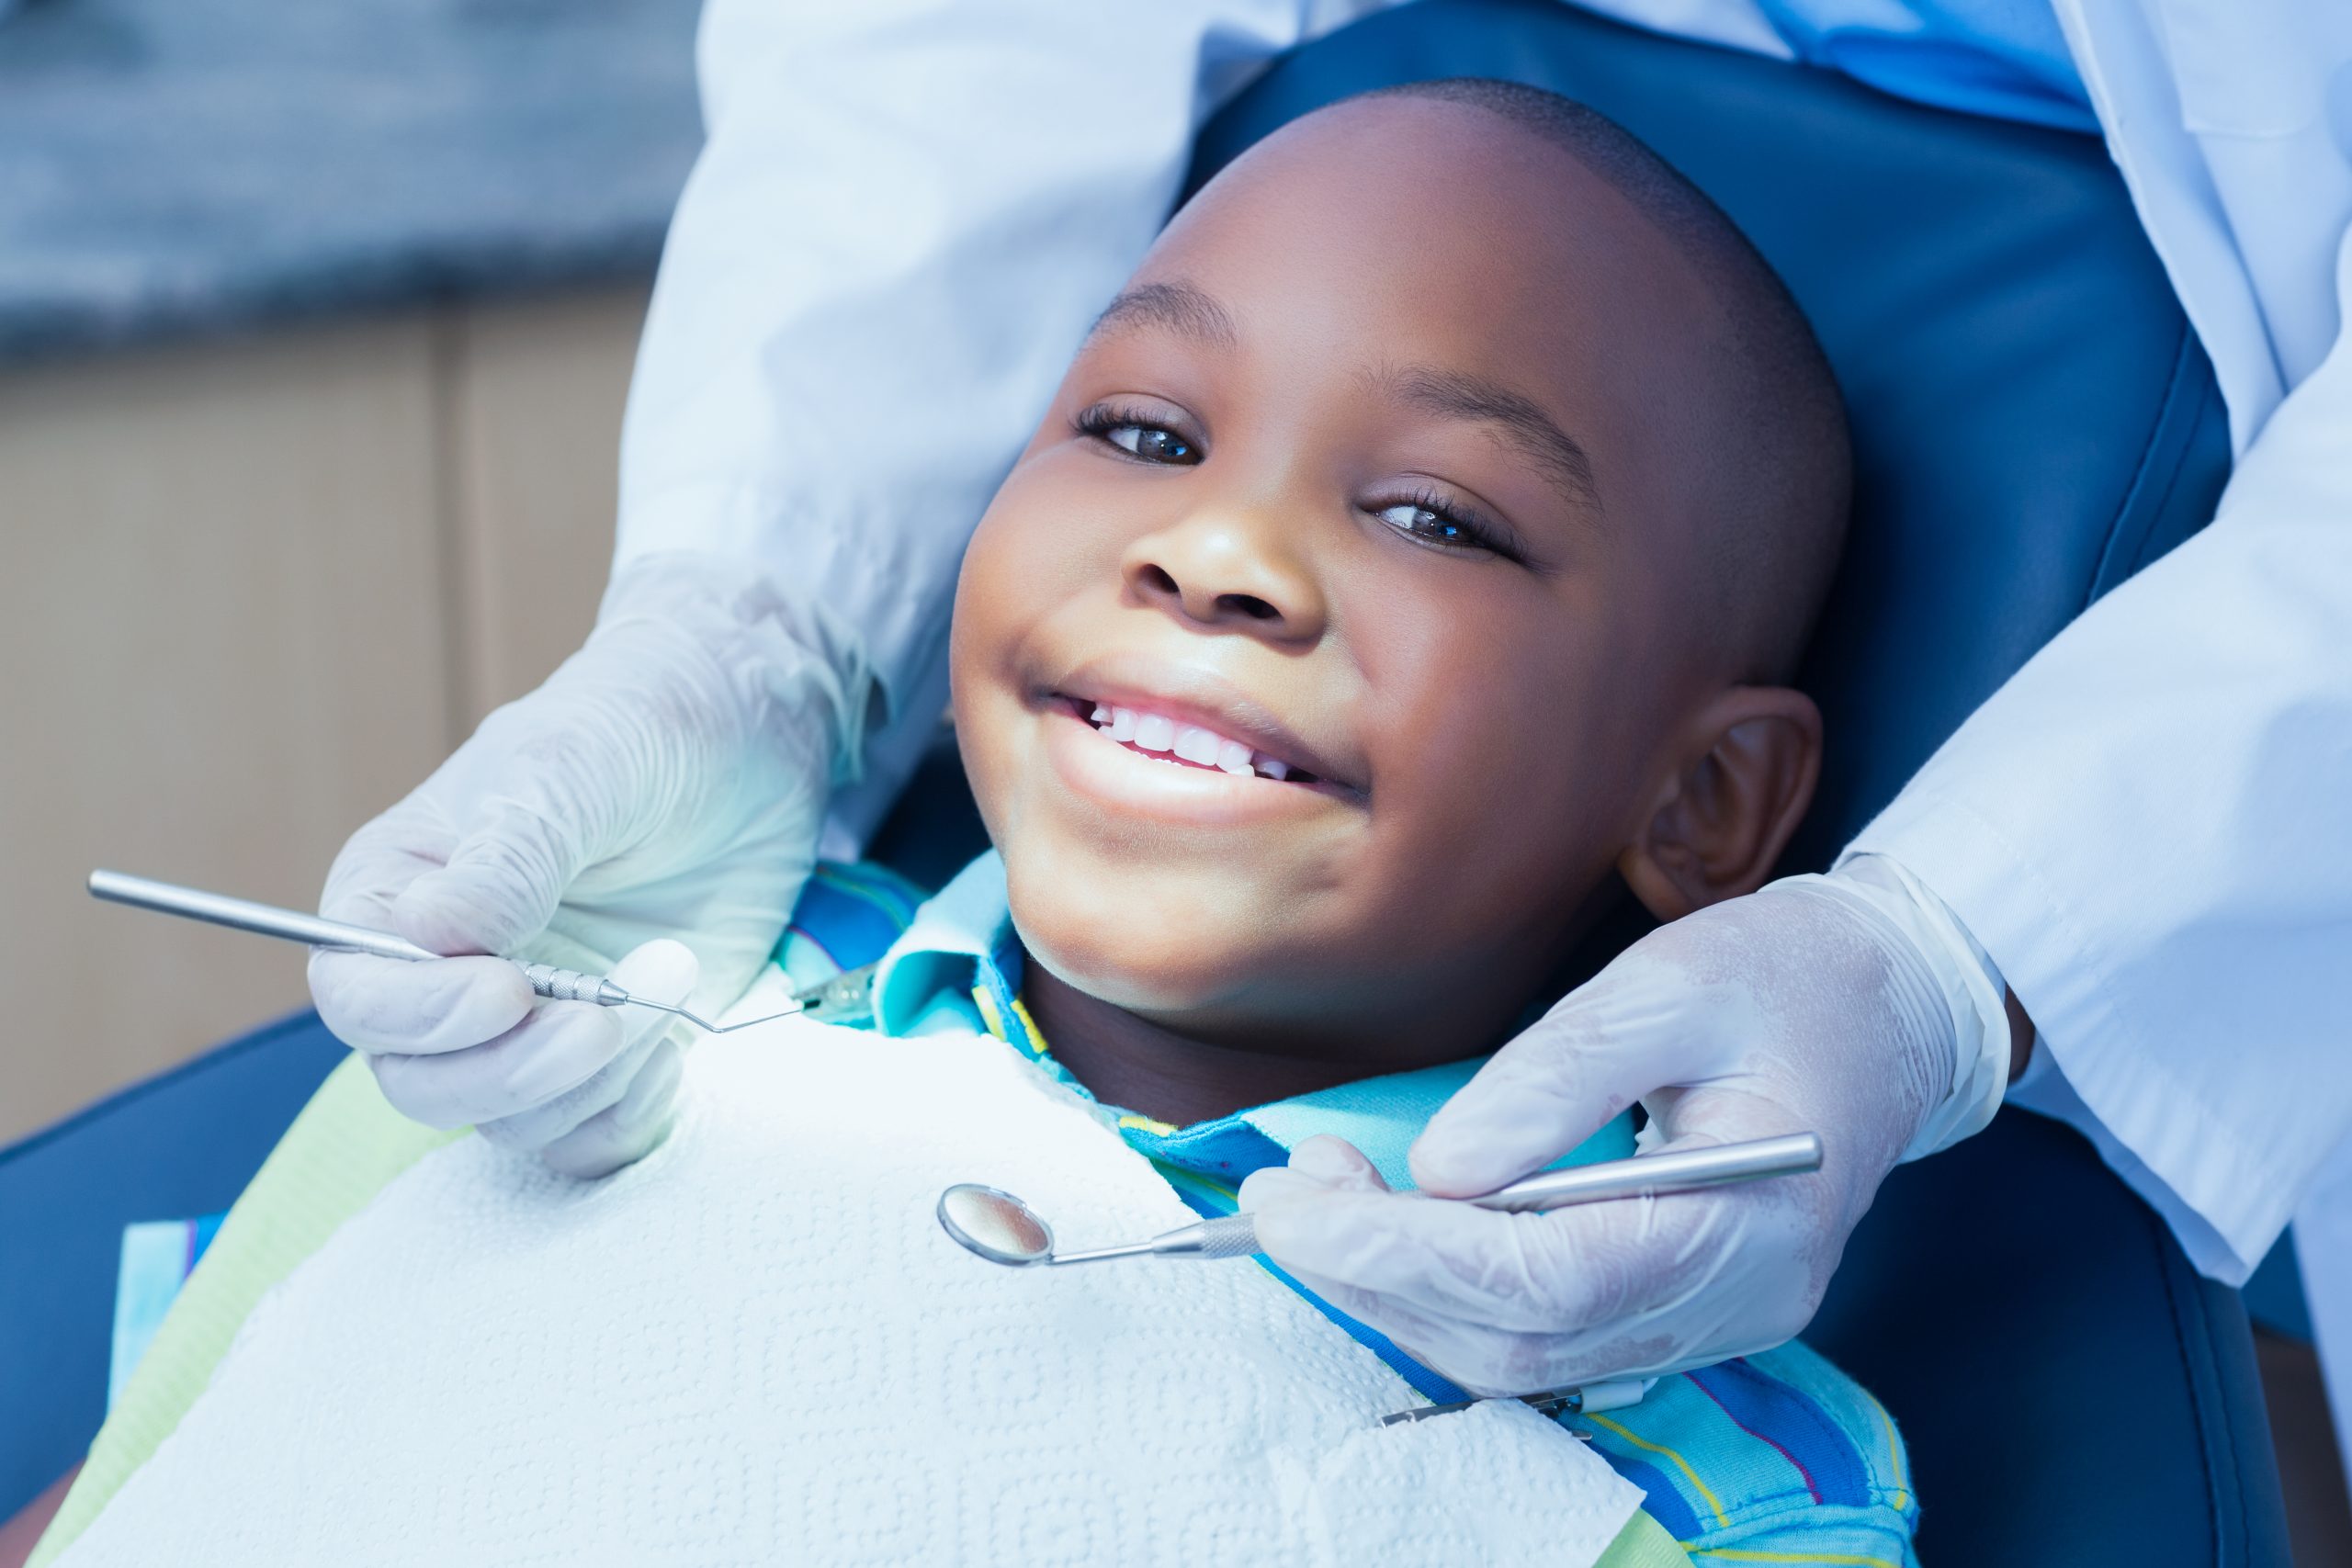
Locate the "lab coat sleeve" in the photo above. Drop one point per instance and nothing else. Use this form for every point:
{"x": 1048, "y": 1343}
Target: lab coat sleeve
{"x": 905, "y": 215}
{"x": 2149, "y": 829}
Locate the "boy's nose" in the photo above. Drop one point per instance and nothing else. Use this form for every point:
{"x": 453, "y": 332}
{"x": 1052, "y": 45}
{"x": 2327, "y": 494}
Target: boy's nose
{"x": 1229, "y": 572}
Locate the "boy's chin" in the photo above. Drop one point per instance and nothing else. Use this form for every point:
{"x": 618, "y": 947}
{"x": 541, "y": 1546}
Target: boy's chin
{"x": 1143, "y": 967}
{"x": 1152, "y": 949}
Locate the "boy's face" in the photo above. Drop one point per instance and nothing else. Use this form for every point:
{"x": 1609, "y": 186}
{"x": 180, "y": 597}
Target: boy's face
{"x": 1367, "y": 475}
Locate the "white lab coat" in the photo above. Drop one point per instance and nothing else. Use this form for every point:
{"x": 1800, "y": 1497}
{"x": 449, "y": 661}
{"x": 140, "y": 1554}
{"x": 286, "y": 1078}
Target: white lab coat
{"x": 909, "y": 210}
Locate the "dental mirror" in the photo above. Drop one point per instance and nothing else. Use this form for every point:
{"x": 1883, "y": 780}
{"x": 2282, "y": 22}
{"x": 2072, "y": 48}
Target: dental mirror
{"x": 995, "y": 1225}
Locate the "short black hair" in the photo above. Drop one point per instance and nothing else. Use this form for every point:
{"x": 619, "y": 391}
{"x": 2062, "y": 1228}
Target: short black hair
{"x": 1782, "y": 468}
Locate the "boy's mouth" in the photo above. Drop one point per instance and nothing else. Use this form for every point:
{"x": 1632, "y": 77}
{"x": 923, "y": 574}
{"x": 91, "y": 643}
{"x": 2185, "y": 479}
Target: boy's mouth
{"x": 1183, "y": 743}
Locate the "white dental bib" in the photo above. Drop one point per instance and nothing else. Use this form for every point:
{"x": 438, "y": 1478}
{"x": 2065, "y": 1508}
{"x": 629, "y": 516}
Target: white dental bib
{"x": 757, "y": 1347}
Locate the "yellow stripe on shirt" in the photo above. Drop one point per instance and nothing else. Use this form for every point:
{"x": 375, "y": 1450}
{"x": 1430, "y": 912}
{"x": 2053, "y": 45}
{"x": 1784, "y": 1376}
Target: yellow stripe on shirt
{"x": 1715, "y": 1507}
{"x": 1734, "y": 1554}
{"x": 1893, "y": 1449}
{"x": 1031, "y": 1035}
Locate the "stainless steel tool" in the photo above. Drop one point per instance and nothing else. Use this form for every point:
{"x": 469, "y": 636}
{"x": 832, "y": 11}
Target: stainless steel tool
{"x": 1002, "y": 1228}
{"x": 289, "y": 925}
{"x": 1591, "y": 1398}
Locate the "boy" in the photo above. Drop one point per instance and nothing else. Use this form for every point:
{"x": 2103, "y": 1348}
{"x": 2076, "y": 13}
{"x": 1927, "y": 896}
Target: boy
{"x": 1406, "y": 570}
{"x": 1410, "y": 564}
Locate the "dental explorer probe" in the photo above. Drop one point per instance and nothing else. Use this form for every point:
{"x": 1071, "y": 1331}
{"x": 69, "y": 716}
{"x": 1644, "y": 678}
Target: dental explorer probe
{"x": 1002, "y": 1228}
{"x": 265, "y": 919}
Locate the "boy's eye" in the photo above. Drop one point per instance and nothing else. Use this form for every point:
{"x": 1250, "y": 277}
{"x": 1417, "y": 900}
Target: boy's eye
{"x": 1135, "y": 432}
{"x": 1152, "y": 443}
{"x": 1433, "y": 523}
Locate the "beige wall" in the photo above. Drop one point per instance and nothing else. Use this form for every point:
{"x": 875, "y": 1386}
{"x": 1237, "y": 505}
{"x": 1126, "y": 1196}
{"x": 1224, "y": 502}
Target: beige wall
{"x": 253, "y": 591}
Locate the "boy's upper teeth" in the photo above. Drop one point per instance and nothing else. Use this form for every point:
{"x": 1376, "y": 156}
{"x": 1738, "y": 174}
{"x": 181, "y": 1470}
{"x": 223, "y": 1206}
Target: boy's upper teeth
{"x": 1149, "y": 731}
{"x": 1197, "y": 745}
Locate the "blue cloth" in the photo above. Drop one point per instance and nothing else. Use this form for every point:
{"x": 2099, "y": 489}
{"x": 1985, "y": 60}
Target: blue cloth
{"x": 2004, "y": 59}
{"x": 157, "y": 1257}
{"x": 2274, "y": 1297}
{"x": 185, "y": 1142}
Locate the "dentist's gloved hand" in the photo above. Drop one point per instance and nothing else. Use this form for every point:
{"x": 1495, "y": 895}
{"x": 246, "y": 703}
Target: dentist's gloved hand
{"x": 668, "y": 781}
{"x": 620, "y": 1111}
{"x": 1854, "y": 1006}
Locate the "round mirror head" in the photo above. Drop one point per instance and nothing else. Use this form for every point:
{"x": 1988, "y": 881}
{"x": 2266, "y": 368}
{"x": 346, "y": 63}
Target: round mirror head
{"x": 995, "y": 1225}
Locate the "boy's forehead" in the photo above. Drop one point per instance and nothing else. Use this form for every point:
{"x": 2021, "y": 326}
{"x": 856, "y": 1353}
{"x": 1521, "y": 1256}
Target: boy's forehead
{"x": 1412, "y": 229}
{"x": 1429, "y": 248}
{"x": 1450, "y": 201}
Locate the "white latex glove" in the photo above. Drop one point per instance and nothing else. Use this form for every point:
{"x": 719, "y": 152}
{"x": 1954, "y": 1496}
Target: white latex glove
{"x": 668, "y": 781}
{"x": 622, "y": 1110}
{"x": 1853, "y": 1006}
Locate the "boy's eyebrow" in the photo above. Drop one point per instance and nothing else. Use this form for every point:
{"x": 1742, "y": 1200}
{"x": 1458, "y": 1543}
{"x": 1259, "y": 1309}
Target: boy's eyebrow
{"x": 1453, "y": 394}
{"x": 1179, "y": 307}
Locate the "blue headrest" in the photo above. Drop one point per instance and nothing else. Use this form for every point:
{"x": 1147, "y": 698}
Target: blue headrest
{"x": 2033, "y": 420}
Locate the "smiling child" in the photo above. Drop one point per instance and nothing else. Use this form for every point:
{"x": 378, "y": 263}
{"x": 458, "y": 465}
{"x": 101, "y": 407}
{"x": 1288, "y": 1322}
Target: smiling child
{"x": 1410, "y": 569}
{"x": 1410, "y": 563}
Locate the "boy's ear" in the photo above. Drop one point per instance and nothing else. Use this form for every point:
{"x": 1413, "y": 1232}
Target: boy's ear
{"x": 1741, "y": 783}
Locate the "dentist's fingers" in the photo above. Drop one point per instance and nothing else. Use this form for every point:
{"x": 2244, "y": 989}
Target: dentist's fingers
{"x": 497, "y": 890}
{"x": 381, "y": 860}
{"x": 1713, "y": 1313}
{"x": 660, "y": 971}
{"x": 1519, "y": 1273}
{"x": 1512, "y": 1302}
{"x": 1469, "y": 1354}
{"x": 1484, "y": 1363}
{"x": 557, "y": 1047}
{"x": 539, "y": 1125}
{"x": 630, "y": 1129}
{"x": 1320, "y": 1164}
{"x": 384, "y": 1004}
{"x": 1335, "y": 1162}
{"x": 1564, "y": 1079}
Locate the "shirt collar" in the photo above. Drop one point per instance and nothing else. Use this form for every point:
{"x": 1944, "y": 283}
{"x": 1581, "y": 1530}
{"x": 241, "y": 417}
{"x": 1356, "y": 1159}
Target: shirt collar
{"x": 960, "y": 942}
{"x": 962, "y": 945}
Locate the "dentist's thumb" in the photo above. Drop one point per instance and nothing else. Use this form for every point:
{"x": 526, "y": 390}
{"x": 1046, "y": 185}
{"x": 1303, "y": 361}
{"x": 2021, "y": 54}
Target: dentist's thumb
{"x": 498, "y": 888}
{"x": 1569, "y": 1075}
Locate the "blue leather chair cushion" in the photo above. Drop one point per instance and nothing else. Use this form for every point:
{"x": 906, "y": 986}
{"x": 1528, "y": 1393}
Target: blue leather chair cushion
{"x": 2033, "y": 419}
{"x": 178, "y": 1145}
{"x": 2034, "y": 422}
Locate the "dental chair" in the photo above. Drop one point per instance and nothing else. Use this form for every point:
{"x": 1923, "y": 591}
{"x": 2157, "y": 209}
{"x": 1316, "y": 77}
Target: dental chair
{"x": 2034, "y": 422}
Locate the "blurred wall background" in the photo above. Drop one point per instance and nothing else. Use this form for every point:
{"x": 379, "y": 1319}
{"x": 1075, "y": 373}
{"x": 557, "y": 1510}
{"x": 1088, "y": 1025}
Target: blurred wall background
{"x": 315, "y": 329}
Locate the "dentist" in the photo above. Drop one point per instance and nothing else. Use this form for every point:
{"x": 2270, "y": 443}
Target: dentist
{"x": 906, "y": 214}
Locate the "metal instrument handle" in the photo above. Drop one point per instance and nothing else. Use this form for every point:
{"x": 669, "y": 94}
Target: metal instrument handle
{"x": 292, "y": 925}
{"x": 572, "y": 986}
{"x": 242, "y": 914}
{"x": 1643, "y": 1176}
{"x": 1686, "y": 1170}
{"x": 1229, "y": 1236}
